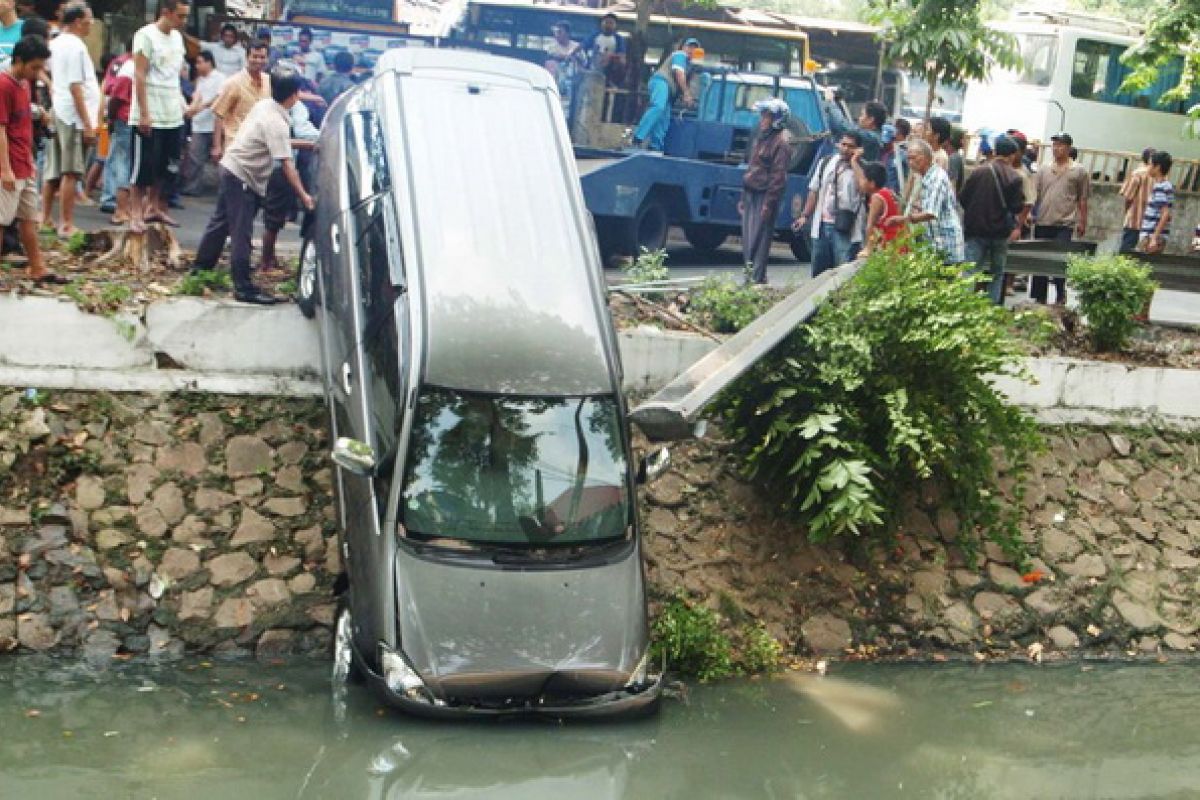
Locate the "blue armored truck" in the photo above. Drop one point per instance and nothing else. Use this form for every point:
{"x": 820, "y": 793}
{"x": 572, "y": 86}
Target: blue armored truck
{"x": 635, "y": 196}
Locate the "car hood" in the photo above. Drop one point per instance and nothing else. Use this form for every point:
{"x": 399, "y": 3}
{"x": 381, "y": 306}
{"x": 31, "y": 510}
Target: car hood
{"x": 478, "y": 630}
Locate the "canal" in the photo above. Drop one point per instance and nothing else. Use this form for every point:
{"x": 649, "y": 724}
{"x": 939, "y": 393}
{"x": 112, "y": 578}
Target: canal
{"x": 247, "y": 730}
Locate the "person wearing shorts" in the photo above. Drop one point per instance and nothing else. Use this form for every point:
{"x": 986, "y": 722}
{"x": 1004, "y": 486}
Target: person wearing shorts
{"x": 18, "y": 184}
{"x": 157, "y": 115}
{"x": 75, "y": 99}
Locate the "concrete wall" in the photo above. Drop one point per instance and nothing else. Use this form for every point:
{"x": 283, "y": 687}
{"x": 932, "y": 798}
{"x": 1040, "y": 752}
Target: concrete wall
{"x": 226, "y": 348}
{"x": 1106, "y": 214}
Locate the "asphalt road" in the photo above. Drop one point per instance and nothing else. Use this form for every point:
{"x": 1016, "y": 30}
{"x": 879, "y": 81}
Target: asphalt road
{"x": 1172, "y": 307}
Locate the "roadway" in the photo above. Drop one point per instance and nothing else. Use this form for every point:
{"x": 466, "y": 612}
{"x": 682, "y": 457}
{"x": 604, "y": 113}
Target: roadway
{"x": 1170, "y": 307}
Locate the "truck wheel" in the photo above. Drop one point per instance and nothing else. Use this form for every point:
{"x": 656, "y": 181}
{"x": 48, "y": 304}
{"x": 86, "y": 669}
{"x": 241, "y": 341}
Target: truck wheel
{"x": 650, "y": 227}
{"x": 306, "y": 279}
{"x": 800, "y": 247}
{"x": 705, "y": 238}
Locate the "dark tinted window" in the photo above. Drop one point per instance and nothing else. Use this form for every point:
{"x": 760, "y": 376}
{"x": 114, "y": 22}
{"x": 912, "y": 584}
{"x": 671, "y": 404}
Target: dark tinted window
{"x": 514, "y": 471}
{"x": 366, "y": 159}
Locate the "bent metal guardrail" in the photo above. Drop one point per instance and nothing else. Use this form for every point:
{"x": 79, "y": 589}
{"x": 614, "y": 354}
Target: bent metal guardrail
{"x": 1049, "y": 258}
{"x": 671, "y": 414}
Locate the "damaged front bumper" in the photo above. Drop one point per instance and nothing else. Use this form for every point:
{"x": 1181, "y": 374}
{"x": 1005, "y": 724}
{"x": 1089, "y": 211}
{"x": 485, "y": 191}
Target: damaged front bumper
{"x": 402, "y": 688}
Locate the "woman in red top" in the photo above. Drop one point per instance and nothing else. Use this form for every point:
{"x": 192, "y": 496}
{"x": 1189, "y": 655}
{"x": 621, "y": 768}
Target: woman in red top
{"x": 881, "y": 203}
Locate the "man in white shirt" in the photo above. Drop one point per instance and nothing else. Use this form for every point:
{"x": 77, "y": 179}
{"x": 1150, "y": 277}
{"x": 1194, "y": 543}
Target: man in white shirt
{"x": 157, "y": 114}
{"x": 310, "y": 63}
{"x": 228, "y": 53}
{"x": 75, "y": 100}
{"x": 209, "y": 81}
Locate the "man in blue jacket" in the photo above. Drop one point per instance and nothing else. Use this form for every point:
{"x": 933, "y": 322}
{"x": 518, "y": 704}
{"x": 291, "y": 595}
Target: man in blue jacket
{"x": 668, "y": 82}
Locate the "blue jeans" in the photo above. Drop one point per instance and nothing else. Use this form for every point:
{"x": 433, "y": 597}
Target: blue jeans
{"x": 116, "y": 168}
{"x": 652, "y": 128}
{"x": 831, "y": 249}
{"x": 990, "y": 256}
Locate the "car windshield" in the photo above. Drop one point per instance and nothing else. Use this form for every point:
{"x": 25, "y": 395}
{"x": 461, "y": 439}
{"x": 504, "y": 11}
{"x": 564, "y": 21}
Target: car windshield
{"x": 510, "y": 471}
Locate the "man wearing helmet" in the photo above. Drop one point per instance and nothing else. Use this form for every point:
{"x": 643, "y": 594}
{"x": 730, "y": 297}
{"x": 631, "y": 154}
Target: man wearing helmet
{"x": 763, "y": 184}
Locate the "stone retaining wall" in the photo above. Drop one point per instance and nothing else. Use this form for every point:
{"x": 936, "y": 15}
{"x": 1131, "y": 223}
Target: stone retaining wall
{"x": 134, "y": 524}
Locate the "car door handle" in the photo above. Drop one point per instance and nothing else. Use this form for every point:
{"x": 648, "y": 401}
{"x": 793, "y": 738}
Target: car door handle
{"x": 347, "y": 377}
{"x": 335, "y": 238}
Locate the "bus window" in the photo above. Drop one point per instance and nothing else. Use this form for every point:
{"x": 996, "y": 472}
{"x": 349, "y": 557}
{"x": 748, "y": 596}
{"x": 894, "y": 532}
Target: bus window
{"x": 1039, "y": 51}
{"x": 1097, "y": 74}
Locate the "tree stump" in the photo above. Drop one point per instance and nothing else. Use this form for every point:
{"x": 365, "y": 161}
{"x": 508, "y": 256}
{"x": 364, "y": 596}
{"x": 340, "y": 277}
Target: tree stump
{"x": 139, "y": 251}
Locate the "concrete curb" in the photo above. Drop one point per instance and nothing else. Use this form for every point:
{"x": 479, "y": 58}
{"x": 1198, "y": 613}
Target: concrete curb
{"x": 190, "y": 344}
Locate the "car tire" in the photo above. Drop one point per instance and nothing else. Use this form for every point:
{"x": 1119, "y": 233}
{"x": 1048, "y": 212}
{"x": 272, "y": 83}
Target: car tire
{"x": 346, "y": 666}
{"x": 307, "y": 291}
{"x": 705, "y": 238}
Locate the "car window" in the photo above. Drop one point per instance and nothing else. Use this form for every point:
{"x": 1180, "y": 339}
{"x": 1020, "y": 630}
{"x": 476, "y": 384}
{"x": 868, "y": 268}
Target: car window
{"x": 366, "y": 158}
{"x": 515, "y": 471}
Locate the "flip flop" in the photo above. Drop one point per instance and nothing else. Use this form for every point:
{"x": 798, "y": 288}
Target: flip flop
{"x": 163, "y": 220}
{"x": 51, "y": 278}
{"x": 137, "y": 228}
{"x": 66, "y": 233}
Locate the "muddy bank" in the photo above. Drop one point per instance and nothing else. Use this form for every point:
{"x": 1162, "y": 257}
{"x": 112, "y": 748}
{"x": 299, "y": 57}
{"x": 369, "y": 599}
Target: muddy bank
{"x": 133, "y": 524}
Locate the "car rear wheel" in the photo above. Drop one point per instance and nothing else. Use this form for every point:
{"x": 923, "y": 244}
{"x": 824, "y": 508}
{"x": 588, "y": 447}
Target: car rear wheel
{"x": 346, "y": 668}
{"x": 306, "y": 279}
{"x": 705, "y": 238}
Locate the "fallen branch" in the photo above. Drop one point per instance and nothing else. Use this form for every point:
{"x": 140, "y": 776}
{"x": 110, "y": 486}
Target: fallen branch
{"x": 667, "y": 314}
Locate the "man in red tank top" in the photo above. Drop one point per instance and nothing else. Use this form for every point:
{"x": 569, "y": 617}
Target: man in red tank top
{"x": 882, "y": 204}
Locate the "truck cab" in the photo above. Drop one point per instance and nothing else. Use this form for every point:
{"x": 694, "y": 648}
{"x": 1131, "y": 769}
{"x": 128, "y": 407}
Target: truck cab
{"x": 636, "y": 196}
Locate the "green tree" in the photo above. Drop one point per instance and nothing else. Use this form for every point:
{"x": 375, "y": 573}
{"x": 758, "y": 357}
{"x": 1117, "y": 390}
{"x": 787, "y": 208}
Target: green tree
{"x": 1173, "y": 32}
{"x": 942, "y": 41}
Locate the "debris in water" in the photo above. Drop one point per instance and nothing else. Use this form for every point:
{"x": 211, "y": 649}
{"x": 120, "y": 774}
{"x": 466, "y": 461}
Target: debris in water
{"x": 981, "y": 704}
{"x": 32, "y": 713}
{"x": 1035, "y": 652}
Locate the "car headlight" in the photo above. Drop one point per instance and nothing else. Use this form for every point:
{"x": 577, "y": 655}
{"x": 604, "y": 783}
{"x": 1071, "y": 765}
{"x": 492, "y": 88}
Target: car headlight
{"x": 402, "y": 679}
{"x": 638, "y": 678}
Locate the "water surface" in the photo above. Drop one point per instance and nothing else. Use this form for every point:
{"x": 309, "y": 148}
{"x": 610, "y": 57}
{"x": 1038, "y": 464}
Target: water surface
{"x": 232, "y": 730}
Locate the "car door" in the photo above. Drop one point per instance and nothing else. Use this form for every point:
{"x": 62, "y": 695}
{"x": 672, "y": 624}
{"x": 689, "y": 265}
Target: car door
{"x": 372, "y": 373}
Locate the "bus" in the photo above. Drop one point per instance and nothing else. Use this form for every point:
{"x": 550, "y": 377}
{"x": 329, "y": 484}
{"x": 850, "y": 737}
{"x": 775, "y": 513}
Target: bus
{"x": 1070, "y": 80}
{"x": 522, "y": 28}
{"x": 901, "y": 92}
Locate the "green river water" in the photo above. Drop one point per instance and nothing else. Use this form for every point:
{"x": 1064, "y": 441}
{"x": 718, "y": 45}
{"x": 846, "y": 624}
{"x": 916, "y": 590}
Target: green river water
{"x": 198, "y": 729}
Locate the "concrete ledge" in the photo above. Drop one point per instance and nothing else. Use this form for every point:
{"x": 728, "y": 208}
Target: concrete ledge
{"x": 1115, "y": 391}
{"x": 652, "y": 357}
{"x": 161, "y": 380}
{"x": 228, "y": 348}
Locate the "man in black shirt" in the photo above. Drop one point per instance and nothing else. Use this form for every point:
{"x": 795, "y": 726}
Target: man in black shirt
{"x": 992, "y": 196}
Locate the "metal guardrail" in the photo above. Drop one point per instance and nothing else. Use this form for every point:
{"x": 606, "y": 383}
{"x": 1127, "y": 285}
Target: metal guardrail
{"x": 672, "y": 412}
{"x": 1049, "y": 258}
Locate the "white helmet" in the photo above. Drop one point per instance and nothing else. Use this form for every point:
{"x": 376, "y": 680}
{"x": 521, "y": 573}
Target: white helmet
{"x": 777, "y": 109}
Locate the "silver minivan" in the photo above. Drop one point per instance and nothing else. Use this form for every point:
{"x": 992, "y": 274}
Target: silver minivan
{"x": 486, "y": 491}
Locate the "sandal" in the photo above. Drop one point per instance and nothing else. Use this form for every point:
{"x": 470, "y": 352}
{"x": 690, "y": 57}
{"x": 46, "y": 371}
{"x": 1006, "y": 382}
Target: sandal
{"x": 50, "y": 279}
{"x": 163, "y": 218}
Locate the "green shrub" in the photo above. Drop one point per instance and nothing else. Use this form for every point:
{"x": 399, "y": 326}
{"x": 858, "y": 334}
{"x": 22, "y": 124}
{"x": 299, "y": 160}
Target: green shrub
{"x": 1112, "y": 291}
{"x": 197, "y": 284}
{"x": 691, "y": 638}
{"x": 760, "y": 651}
{"x": 77, "y": 243}
{"x": 887, "y": 387}
{"x": 647, "y": 267}
{"x": 725, "y": 305}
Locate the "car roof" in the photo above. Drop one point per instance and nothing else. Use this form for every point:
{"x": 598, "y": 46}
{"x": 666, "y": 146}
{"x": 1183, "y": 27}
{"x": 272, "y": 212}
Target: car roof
{"x": 509, "y": 273}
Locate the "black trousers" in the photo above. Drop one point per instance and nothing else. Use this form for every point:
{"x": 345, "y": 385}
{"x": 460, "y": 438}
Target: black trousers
{"x": 1039, "y": 284}
{"x": 233, "y": 219}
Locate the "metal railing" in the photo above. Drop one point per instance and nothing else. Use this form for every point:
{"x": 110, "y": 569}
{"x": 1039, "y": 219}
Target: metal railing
{"x": 1111, "y": 167}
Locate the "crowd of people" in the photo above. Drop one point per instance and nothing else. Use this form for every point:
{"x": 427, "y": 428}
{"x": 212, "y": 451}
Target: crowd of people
{"x": 151, "y": 125}
{"x": 885, "y": 179}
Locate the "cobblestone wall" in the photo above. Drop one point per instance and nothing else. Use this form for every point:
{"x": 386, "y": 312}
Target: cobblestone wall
{"x": 140, "y": 524}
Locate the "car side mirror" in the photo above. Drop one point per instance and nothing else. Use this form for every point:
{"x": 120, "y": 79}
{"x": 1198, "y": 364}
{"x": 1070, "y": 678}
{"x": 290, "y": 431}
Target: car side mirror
{"x": 654, "y": 465}
{"x": 354, "y": 456}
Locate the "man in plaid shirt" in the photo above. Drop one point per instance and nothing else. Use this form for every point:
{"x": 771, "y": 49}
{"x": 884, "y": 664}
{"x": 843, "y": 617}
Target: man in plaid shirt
{"x": 934, "y": 207}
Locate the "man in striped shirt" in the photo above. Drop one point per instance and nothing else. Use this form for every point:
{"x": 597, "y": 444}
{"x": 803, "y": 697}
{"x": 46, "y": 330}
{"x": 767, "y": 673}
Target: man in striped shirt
{"x": 1156, "y": 219}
